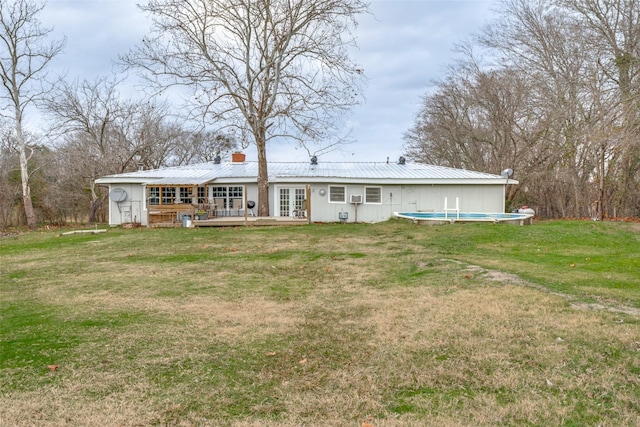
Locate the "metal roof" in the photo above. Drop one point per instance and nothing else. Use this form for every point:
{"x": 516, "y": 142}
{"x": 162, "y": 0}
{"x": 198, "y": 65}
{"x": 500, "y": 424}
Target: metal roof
{"x": 295, "y": 172}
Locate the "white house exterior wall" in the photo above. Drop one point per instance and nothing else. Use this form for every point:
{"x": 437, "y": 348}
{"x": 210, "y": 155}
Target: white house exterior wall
{"x": 132, "y": 209}
{"x": 406, "y": 198}
{"x": 403, "y": 188}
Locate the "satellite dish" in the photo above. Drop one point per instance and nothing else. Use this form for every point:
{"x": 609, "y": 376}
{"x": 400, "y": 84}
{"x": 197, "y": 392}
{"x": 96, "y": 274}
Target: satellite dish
{"x": 507, "y": 173}
{"x": 118, "y": 195}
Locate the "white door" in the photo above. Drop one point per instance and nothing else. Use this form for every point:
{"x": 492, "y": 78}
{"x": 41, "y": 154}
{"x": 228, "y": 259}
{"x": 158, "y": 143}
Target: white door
{"x": 290, "y": 199}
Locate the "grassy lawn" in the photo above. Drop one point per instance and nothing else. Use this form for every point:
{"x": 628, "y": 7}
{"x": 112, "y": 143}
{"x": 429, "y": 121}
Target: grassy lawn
{"x": 388, "y": 324}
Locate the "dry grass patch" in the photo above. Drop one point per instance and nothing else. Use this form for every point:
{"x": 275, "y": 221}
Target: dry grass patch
{"x": 300, "y": 327}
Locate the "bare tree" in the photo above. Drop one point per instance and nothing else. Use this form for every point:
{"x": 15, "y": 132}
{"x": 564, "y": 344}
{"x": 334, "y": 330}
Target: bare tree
{"x": 202, "y": 147}
{"x": 547, "y": 99}
{"x": 25, "y": 52}
{"x": 86, "y": 112}
{"x": 9, "y": 189}
{"x": 266, "y": 68}
{"x": 104, "y": 134}
{"x": 578, "y": 53}
{"x": 613, "y": 32}
{"x": 481, "y": 119}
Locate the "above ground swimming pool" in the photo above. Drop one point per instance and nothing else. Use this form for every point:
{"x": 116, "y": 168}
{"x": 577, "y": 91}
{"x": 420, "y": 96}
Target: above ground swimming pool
{"x": 444, "y": 217}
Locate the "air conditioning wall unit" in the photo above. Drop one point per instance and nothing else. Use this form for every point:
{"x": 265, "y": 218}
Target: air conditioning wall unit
{"x": 356, "y": 198}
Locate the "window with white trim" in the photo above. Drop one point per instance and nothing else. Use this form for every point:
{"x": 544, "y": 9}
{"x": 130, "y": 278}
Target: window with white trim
{"x": 227, "y": 194}
{"x": 373, "y": 195}
{"x": 337, "y": 194}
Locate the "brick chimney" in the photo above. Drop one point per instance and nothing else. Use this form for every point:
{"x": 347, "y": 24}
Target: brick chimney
{"x": 237, "y": 157}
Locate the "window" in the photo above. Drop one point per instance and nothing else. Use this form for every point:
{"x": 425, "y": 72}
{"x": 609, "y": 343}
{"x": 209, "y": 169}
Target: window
{"x": 219, "y": 192}
{"x": 372, "y": 194}
{"x": 154, "y": 195}
{"x": 337, "y": 194}
{"x": 185, "y": 195}
{"x": 168, "y": 195}
{"x": 173, "y": 195}
{"x": 235, "y": 192}
{"x": 227, "y": 194}
{"x": 201, "y": 195}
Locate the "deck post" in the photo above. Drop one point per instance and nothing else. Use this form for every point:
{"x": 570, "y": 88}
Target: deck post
{"x": 244, "y": 203}
{"x": 308, "y": 195}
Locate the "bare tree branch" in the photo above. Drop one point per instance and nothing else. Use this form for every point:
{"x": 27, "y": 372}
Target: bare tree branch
{"x": 267, "y": 68}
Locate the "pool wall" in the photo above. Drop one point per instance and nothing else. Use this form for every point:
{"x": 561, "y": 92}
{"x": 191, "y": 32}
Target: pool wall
{"x": 439, "y": 218}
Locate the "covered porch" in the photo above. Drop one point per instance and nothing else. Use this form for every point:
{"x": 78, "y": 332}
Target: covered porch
{"x": 171, "y": 203}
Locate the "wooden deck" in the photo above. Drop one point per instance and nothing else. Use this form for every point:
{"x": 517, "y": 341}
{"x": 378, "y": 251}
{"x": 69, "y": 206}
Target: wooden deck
{"x": 237, "y": 221}
{"x": 253, "y": 221}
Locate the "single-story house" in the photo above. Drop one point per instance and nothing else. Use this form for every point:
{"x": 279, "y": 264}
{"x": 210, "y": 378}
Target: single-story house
{"x": 316, "y": 191}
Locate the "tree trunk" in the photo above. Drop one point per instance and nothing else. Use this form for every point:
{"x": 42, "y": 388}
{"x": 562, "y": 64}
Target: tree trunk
{"x": 96, "y": 204}
{"x": 24, "y": 175}
{"x": 263, "y": 175}
{"x": 600, "y": 203}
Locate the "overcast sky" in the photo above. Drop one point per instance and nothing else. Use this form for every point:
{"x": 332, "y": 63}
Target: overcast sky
{"x": 402, "y": 47}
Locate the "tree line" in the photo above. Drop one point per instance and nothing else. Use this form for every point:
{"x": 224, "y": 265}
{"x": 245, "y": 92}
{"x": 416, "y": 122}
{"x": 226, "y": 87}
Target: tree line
{"x": 550, "y": 90}
{"x": 92, "y": 131}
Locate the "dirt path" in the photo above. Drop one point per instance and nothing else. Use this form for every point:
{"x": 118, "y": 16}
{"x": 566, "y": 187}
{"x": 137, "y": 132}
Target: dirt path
{"x": 502, "y": 277}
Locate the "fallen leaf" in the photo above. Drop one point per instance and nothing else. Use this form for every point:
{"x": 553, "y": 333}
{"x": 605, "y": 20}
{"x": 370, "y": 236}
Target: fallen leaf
{"x": 303, "y": 361}
{"x": 53, "y": 367}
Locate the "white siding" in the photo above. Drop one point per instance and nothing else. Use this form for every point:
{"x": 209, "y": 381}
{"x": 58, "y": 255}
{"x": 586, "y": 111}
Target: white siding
{"x": 129, "y": 210}
{"x": 407, "y": 198}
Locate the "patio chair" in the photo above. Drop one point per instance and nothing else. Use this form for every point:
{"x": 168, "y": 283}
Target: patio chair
{"x": 237, "y": 205}
{"x": 301, "y": 212}
{"x": 218, "y": 205}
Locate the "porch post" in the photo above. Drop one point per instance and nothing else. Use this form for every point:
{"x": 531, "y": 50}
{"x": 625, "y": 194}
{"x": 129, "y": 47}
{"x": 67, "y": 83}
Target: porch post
{"x": 308, "y": 197}
{"x": 244, "y": 203}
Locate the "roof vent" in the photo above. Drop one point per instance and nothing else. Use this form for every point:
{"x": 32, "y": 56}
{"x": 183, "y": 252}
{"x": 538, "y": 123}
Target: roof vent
{"x": 314, "y": 160}
{"x": 402, "y": 160}
{"x": 216, "y": 160}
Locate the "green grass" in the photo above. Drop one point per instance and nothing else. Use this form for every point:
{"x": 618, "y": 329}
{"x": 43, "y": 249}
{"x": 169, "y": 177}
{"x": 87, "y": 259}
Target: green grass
{"x": 390, "y": 323}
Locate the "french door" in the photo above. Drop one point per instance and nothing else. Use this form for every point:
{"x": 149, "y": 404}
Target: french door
{"x": 290, "y": 199}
